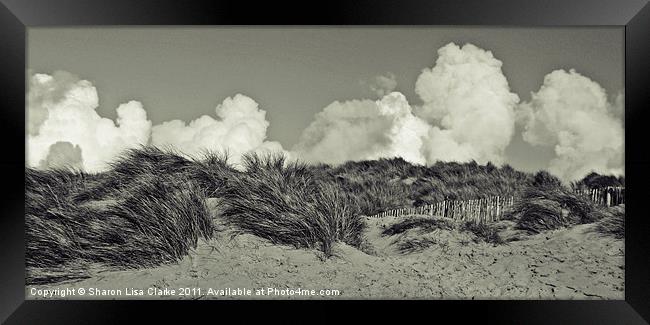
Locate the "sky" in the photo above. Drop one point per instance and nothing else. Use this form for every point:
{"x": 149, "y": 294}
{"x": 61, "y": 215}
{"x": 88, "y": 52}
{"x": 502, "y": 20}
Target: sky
{"x": 294, "y": 73}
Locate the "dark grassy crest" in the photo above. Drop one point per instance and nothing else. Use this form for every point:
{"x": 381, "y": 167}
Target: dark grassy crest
{"x": 386, "y": 184}
{"x": 283, "y": 201}
{"x": 145, "y": 219}
{"x": 157, "y": 223}
{"x": 52, "y": 188}
{"x": 209, "y": 172}
{"x": 595, "y": 180}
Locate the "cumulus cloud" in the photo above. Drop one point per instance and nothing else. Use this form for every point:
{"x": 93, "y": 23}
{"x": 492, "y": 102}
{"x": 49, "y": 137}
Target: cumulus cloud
{"x": 44, "y": 92}
{"x": 62, "y": 155}
{"x": 467, "y": 114}
{"x": 468, "y": 100}
{"x": 383, "y": 85}
{"x": 65, "y": 130}
{"x": 571, "y": 113}
{"x": 364, "y": 129}
{"x": 618, "y": 107}
{"x": 61, "y": 108}
{"x": 239, "y": 127}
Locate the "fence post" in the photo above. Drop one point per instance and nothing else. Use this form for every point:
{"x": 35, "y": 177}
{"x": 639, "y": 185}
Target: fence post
{"x": 593, "y": 195}
{"x": 471, "y": 210}
{"x": 486, "y": 212}
{"x": 451, "y": 209}
{"x": 444, "y": 208}
{"x": 474, "y": 210}
{"x": 490, "y": 209}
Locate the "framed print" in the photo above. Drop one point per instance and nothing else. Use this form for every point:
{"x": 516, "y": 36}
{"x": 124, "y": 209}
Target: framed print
{"x": 453, "y": 157}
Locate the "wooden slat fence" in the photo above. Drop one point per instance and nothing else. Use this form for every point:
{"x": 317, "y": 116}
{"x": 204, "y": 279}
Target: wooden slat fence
{"x": 480, "y": 210}
{"x": 607, "y": 196}
{"x": 492, "y": 208}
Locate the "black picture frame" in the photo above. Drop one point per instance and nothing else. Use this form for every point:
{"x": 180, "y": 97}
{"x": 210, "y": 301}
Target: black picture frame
{"x": 17, "y": 15}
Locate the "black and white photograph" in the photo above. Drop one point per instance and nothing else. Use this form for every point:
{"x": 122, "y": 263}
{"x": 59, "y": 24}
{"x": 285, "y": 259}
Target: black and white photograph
{"x": 327, "y": 163}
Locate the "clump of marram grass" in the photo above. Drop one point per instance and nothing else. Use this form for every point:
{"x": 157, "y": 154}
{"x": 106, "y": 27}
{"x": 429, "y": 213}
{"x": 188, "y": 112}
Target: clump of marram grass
{"x": 147, "y": 209}
{"x": 483, "y": 232}
{"x": 542, "y": 209}
{"x": 282, "y": 202}
{"x": 129, "y": 166}
{"x": 414, "y": 245}
{"x": 61, "y": 181}
{"x": 159, "y": 220}
{"x": 339, "y": 216}
{"x": 46, "y": 189}
{"x": 423, "y": 224}
{"x": 209, "y": 171}
{"x": 613, "y": 222}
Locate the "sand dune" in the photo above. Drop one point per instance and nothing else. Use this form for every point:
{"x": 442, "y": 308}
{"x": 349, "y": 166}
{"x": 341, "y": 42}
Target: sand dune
{"x": 573, "y": 263}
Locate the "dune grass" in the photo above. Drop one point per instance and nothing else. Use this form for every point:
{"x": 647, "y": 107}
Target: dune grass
{"x": 131, "y": 165}
{"x": 283, "y": 202}
{"x": 483, "y": 232}
{"x": 46, "y": 189}
{"x": 423, "y": 224}
{"x": 595, "y": 180}
{"x": 613, "y": 222}
{"x": 157, "y": 223}
{"x": 415, "y": 245}
{"x": 542, "y": 209}
{"x": 393, "y": 183}
{"x": 149, "y": 207}
{"x": 153, "y": 219}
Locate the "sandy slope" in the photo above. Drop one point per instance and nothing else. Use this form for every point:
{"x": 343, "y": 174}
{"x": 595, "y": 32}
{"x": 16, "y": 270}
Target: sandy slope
{"x": 565, "y": 264}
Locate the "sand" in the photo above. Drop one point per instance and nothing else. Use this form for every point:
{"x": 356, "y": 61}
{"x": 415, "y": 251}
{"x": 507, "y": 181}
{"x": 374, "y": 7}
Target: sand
{"x": 573, "y": 263}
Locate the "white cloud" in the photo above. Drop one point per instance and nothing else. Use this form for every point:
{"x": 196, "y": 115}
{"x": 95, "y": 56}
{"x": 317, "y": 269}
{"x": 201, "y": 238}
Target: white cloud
{"x": 364, "y": 129}
{"x": 63, "y": 155}
{"x": 571, "y": 113}
{"x": 468, "y": 99}
{"x": 240, "y": 127}
{"x": 61, "y": 108}
{"x": 468, "y": 114}
{"x": 383, "y": 85}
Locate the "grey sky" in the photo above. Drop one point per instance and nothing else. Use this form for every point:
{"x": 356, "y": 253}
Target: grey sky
{"x": 183, "y": 73}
